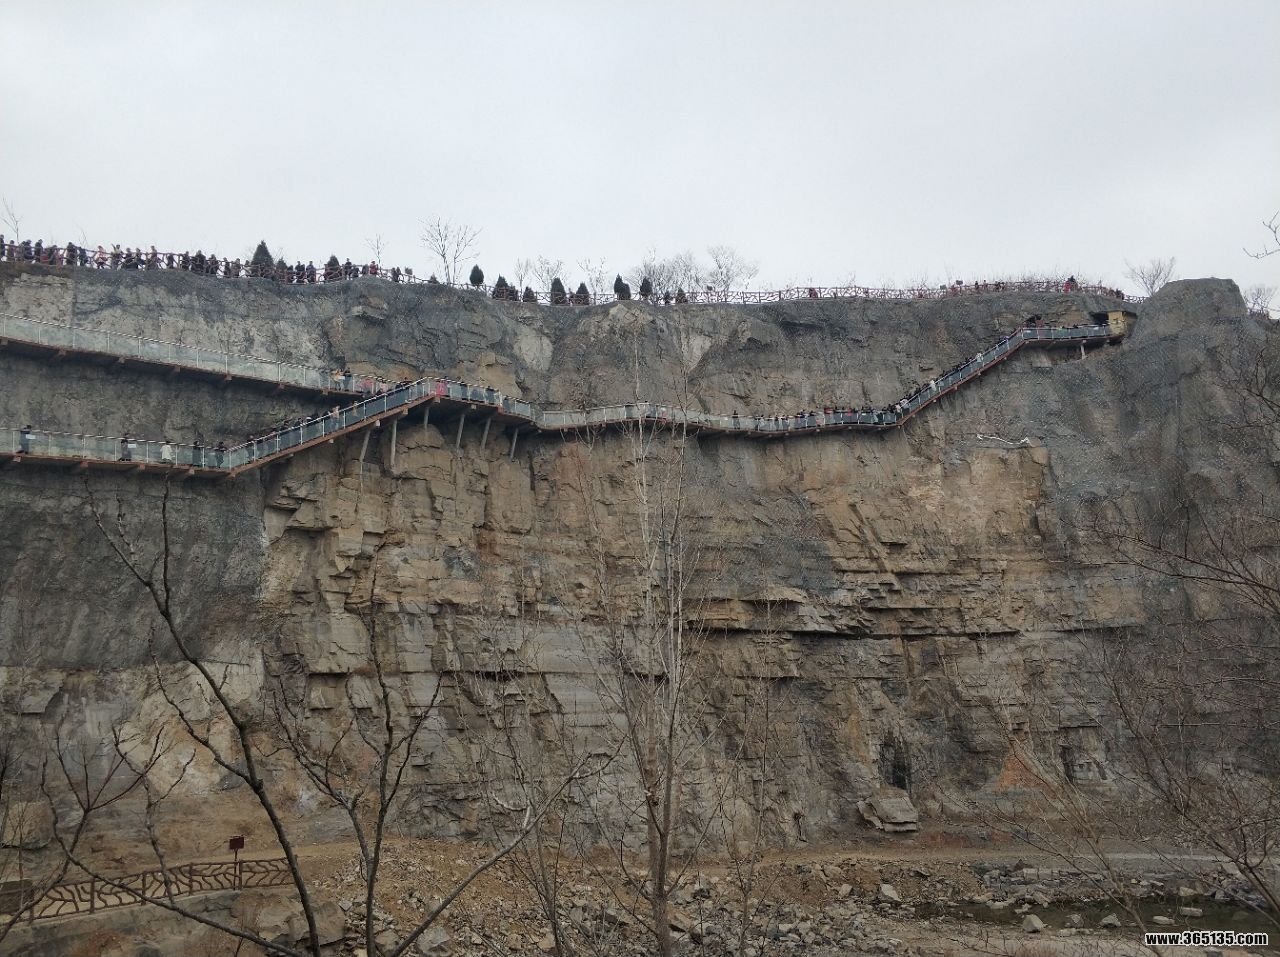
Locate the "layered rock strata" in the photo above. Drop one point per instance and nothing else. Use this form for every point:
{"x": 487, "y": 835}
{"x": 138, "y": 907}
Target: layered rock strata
{"x": 918, "y": 598}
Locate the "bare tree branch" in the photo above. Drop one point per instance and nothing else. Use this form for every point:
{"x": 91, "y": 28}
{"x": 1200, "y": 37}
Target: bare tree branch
{"x": 1151, "y": 275}
{"x": 1272, "y": 247}
{"x": 451, "y": 243}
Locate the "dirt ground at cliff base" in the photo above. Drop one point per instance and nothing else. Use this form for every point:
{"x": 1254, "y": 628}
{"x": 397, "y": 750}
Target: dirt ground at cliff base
{"x": 831, "y": 900}
{"x": 935, "y": 895}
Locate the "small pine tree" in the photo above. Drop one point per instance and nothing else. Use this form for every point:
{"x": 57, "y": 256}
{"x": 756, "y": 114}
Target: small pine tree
{"x": 499, "y": 287}
{"x": 333, "y": 264}
{"x": 617, "y": 286}
{"x": 477, "y": 276}
{"x": 529, "y": 295}
{"x": 646, "y": 288}
{"x": 558, "y": 297}
{"x": 262, "y": 257}
{"x": 432, "y": 280}
{"x": 584, "y": 297}
{"x": 680, "y": 296}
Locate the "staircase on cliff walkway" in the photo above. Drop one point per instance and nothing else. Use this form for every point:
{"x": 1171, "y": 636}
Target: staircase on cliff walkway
{"x": 439, "y": 400}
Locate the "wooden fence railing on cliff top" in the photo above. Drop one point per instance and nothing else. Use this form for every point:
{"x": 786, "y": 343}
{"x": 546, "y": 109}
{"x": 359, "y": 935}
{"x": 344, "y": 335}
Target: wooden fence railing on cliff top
{"x": 95, "y": 894}
{"x": 55, "y": 256}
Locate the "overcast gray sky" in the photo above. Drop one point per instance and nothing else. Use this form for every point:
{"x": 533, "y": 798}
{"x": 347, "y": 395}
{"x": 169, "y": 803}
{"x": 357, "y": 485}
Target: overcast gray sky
{"x": 885, "y": 141}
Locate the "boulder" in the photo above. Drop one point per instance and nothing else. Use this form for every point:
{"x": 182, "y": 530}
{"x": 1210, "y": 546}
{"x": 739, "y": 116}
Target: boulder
{"x": 1111, "y": 920}
{"x": 1190, "y": 912}
{"x": 274, "y": 918}
{"x": 434, "y": 942}
{"x": 1032, "y": 924}
{"x": 331, "y": 922}
{"x": 890, "y": 809}
{"x": 889, "y": 893}
{"x": 1161, "y": 920}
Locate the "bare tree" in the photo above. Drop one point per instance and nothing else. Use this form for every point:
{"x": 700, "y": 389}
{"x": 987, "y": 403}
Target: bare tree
{"x": 11, "y": 219}
{"x": 758, "y": 772}
{"x": 451, "y": 243}
{"x": 1257, "y": 300}
{"x": 523, "y": 269}
{"x": 597, "y": 274}
{"x": 377, "y": 246}
{"x": 1271, "y": 247}
{"x": 649, "y": 669}
{"x": 546, "y": 271}
{"x": 1152, "y": 275}
{"x": 358, "y": 764}
{"x": 93, "y": 775}
{"x": 1167, "y": 750}
{"x": 528, "y": 745}
{"x": 645, "y": 629}
{"x": 729, "y": 269}
{"x": 668, "y": 273}
{"x": 1191, "y": 705}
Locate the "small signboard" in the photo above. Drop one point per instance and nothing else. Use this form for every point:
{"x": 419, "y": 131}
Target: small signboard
{"x": 236, "y": 843}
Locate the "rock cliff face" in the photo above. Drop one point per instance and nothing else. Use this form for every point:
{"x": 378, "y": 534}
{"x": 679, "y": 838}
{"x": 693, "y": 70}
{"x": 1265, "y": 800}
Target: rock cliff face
{"x": 918, "y": 593}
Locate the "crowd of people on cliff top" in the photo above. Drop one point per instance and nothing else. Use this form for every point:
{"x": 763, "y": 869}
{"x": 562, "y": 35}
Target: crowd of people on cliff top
{"x": 300, "y": 273}
{"x": 1070, "y": 284}
{"x": 262, "y": 266}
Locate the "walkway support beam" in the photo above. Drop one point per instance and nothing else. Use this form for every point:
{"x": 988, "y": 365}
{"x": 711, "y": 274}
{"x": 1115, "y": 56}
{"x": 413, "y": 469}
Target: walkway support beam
{"x": 457, "y": 439}
{"x": 364, "y": 447}
{"x": 515, "y": 433}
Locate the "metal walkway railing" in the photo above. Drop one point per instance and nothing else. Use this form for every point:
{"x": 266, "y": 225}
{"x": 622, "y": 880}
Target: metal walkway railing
{"x": 128, "y": 452}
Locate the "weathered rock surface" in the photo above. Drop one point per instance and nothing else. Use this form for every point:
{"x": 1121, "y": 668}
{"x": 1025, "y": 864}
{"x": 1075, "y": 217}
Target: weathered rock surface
{"x": 919, "y": 592}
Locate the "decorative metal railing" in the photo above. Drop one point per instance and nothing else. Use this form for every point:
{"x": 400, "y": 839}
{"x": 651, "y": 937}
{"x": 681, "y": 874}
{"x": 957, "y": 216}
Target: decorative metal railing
{"x": 93, "y": 895}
